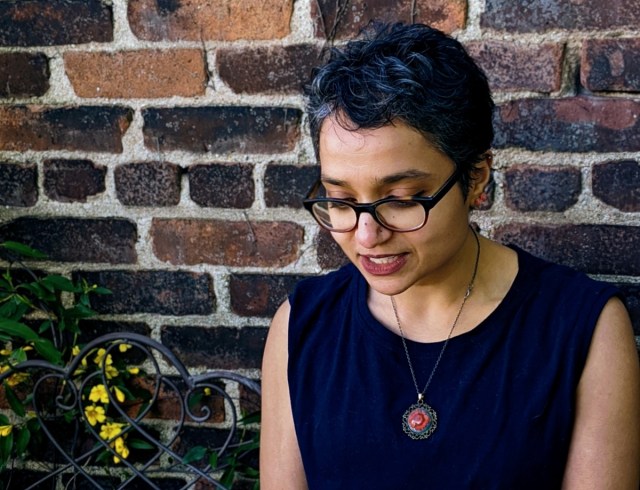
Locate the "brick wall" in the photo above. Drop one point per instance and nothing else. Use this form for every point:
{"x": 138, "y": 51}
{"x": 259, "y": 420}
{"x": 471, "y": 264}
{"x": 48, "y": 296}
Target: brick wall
{"x": 160, "y": 148}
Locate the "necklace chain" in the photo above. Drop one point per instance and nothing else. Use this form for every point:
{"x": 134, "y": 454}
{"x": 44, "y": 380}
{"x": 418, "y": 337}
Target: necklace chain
{"x": 453, "y": 326}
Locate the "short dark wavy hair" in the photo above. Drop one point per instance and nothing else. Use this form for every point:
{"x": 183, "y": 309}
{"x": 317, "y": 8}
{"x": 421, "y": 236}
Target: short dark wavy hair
{"x": 410, "y": 73}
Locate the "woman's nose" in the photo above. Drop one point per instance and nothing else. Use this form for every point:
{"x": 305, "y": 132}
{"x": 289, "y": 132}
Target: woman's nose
{"x": 369, "y": 232}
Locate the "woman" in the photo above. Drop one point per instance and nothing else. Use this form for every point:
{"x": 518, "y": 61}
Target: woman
{"x": 437, "y": 358}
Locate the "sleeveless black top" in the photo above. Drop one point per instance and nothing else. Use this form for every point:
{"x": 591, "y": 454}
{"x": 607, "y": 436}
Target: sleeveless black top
{"x": 504, "y": 392}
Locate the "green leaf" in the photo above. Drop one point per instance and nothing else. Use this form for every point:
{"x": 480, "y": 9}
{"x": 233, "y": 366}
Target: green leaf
{"x": 17, "y": 329}
{"x": 79, "y": 311}
{"x": 213, "y": 460}
{"x": 139, "y": 444}
{"x": 100, "y": 290}
{"x": 13, "y": 400}
{"x": 22, "y": 440}
{"x": 23, "y": 250}
{"x": 18, "y": 355}
{"x": 60, "y": 283}
{"x": 6, "y": 443}
{"x": 194, "y": 454}
{"x": 47, "y": 350}
{"x": 4, "y": 420}
{"x": 44, "y": 326}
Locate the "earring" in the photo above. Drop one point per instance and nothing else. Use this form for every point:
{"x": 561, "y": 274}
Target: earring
{"x": 480, "y": 200}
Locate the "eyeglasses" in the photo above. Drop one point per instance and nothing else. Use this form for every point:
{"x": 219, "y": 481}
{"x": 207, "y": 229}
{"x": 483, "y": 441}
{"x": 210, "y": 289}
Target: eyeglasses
{"x": 401, "y": 215}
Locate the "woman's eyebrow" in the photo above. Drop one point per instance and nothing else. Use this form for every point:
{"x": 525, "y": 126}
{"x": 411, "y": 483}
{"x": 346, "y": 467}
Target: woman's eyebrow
{"x": 386, "y": 180}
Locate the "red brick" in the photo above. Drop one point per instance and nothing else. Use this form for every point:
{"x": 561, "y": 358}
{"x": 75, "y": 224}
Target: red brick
{"x": 528, "y": 16}
{"x": 73, "y": 180}
{"x": 76, "y": 240}
{"x": 137, "y": 74}
{"x": 222, "y": 185}
{"x": 268, "y": 69}
{"x": 541, "y": 188}
{"x": 344, "y": 18}
{"x": 222, "y": 129}
{"x": 146, "y": 291}
{"x": 287, "y": 185}
{"x": 511, "y": 66}
{"x": 260, "y": 295}
{"x": 209, "y": 20}
{"x": 217, "y": 347}
{"x": 577, "y": 124}
{"x": 42, "y": 128}
{"x": 611, "y": 65}
{"x": 231, "y": 243}
{"x": 18, "y": 184}
{"x": 55, "y": 22}
{"x": 148, "y": 184}
{"x": 595, "y": 249}
{"x": 23, "y": 74}
{"x": 329, "y": 253}
{"x": 618, "y": 184}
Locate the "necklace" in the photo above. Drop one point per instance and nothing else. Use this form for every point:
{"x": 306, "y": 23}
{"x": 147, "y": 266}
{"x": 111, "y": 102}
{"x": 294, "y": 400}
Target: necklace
{"x": 420, "y": 420}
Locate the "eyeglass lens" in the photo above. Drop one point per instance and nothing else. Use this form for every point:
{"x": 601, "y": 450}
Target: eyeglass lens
{"x": 397, "y": 215}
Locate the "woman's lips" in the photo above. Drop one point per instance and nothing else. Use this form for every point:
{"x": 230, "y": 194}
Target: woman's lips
{"x": 382, "y": 265}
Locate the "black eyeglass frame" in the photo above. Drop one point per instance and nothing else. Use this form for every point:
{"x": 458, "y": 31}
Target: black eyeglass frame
{"x": 427, "y": 202}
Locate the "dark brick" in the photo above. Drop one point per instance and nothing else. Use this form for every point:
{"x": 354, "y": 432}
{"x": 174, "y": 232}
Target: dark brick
{"x": 23, "y": 74}
{"x": 161, "y": 292}
{"x": 631, "y": 294}
{"x": 218, "y": 347}
{"x": 344, "y": 18}
{"x": 611, "y": 65}
{"x": 539, "y": 188}
{"x": 618, "y": 184}
{"x": 511, "y": 66}
{"x": 595, "y": 249}
{"x": 250, "y": 400}
{"x": 224, "y": 20}
{"x": 18, "y": 184}
{"x": 39, "y": 128}
{"x": 148, "y": 184}
{"x": 222, "y": 129}
{"x": 91, "y": 329}
{"x": 287, "y": 185}
{"x": 76, "y": 240}
{"x": 55, "y": 22}
{"x": 231, "y": 243}
{"x": 222, "y": 185}
{"x": 269, "y": 68}
{"x": 531, "y": 16}
{"x": 260, "y": 295}
{"x": 577, "y": 124}
{"x": 73, "y": 180}
{"x": 329, "y": 253}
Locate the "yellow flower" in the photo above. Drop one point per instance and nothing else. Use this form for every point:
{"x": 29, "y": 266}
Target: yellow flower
{"x": 111, "y": 372}
{"x": 95, "y": 414}
{"x": 121, "y": 448}
{"x": 75, "y": 350}
{"x": 5, "y": 352}
{"x": 17, "y": 378}
{"x": 118, "y": 392}
{"x": 207, "y": 391}
{"x": 99, "y": 394}
{"x": 110, "y": 430}
{"x": 124, "y": 347}
{"x": 133, "y": 370}
{"x": 100, "y": 357}
{"x": 5, "y": 430}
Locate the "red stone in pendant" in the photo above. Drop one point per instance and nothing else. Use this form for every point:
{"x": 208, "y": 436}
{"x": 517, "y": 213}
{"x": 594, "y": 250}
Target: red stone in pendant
{"x": 418, "y": 419}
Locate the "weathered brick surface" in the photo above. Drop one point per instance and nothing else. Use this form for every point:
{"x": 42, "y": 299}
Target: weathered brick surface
{"x": 222, "y": 185}
{"x": 611, "y": 64}
{"x": 137, "y": 74}
{"x": 196, "y": 20}
{"x": 236, "y": 244}
{"x": 55, "y": 22}
{"x": 90, "y": 329}
{"x": 258, "y": 294}
{"x": 595, "y": 249}
{"x": 511, "y": 66}
{"x": 73, "y": 180}
{"x": 148, "y": 184}
{"x": 287, "y": 185}
{"x": 268, "y": 69}
{"x": 23, "y": 74}
{"x": 576, "y": 124}
{"x": 76, "y": 240}
{"x": 344, "y": 18}
{"x": 530, "y": 16}
{"x": 18, "y": 184}
{"x": 145, "y": 291}
{"x": 330, "y": 255}
{"x": 538, "y": 188}
{"x": 217, "y": 347}
{"x": 222, "y": 129}
{"x": 41, "y": 128}
{"x": 618, "y": 184}
{"x": 631, "y": 294}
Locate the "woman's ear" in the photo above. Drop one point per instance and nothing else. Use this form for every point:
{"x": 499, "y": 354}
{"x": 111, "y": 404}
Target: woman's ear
{"x": 481, "y": 181}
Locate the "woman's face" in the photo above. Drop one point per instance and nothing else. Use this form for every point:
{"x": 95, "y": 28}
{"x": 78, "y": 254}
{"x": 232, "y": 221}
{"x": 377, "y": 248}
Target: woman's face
{"x": 394, "y": 160}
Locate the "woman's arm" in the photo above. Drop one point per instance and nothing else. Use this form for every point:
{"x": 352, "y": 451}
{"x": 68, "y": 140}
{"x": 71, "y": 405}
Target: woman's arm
{"x": 280, "y": 461}
{"x": 605, "y": 446}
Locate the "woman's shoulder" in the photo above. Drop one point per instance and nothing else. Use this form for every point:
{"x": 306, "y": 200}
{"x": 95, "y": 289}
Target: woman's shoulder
{"x": 330, "y": 283}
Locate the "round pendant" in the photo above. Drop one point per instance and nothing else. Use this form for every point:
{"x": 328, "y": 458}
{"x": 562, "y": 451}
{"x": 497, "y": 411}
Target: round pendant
{"x": 419, "y": 421}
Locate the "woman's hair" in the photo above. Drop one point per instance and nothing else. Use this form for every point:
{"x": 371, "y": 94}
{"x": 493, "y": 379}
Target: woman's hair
{"x": 409, "y": 73}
